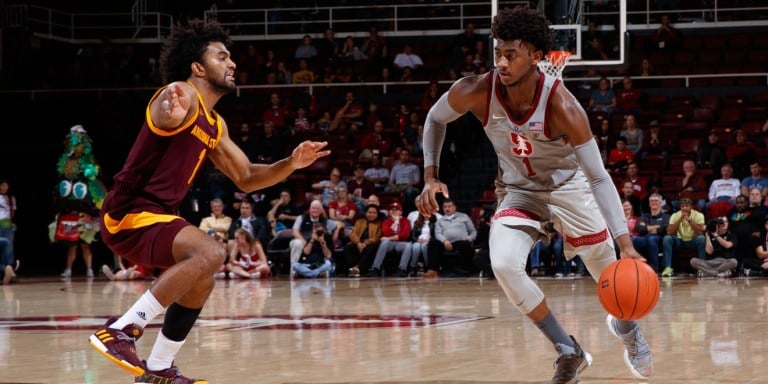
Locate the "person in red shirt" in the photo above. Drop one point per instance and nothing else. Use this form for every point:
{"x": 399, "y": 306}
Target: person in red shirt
{"x": 619, "y": 157}
{"x": 629, "y": 99}
{"x": 277, "y": 113}
{"x": 375, "y": 142}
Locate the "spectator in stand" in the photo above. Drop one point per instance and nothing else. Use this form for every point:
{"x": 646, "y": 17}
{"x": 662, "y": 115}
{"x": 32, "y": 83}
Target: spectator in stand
{"x": 374, "y": 200}
{"x": 656, "y": 223}
{"x": 363, "y": 242}
{"x": 306, "y": 50}
{"x": 543, "y": 254}
{"x": 467, "y": 67}
{"x": 480, "y": 58}
{"x": 666, "y": 37}
{"x": 619, "y": 157}
{"x": 595, "y": 50}
{"x": 642, "y": 77}
{"x": 343, "y": 209}
{"x": 328, "y": 48}
{"x": 430, "y": 96}
{"x": 352, "y": 112}
{"x": 719, "y": 245}
{"x": 360, "y": 187}
{"x": 7, "y": 213}
{"x": 745, "y": 223}
{"x": 408, "y": 59}
{"x": 685, "y": 231}
{"x": 454, "y": 231}
{"x": 758, "y": 265}
{"x": 692, "y": 183}
{"x": 245, "y": 140}
{"x": 327, "y": 188}
{"x": 741, "y": 154}
{"x": 711, "y": 153}
{"x": 283, "y": 75}
{"x": 627, "y": 192}
{"x": 255, "y": 225}
{"x": 372, "y": 116}
{"x": 304, "y": 75}
{"x": 603, "y": 99}
{"x": 350, "y": 52}
{"x": 270, "y": 61}
{"x": 638, "y": 231}
{"x": 377, "y": 173}
{"x": 301, "y": 124}
{"x": 395, "y": 234}
{"x": 633, "y": 134}
{"x": 375, "y": 143}
{"x": 217, "y": 224}
{"x": 410, "y": 132}
{"x": 628, "y": 98}
{"x": 324, "y": 122}
{"x": 655, "y": 144}
{"x": 464, "y": 42}
{"x": 755, "y": 180}
{"x": 405, "y": 177}
{"x": 422, "y": 230}
{"x": 375, "y": 48}
{"x": 315, "y": 259}
{"x": 270, "y": 146}
{"x": 277, "y": 113}
{"x": 247, "y": 258}
{"x": 726, "y": 188}
{"x": 304, "y": 229}
{"x": 603, "y": 137}
{"x": 639, "y": 185}
{"x": 283, "y": 213}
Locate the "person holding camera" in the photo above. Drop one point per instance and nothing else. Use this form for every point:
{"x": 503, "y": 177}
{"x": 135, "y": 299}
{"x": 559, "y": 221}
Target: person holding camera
{"x": 685, "y": 232}
{"x": 719, "y": 246}
{"x": 315, "y": 259}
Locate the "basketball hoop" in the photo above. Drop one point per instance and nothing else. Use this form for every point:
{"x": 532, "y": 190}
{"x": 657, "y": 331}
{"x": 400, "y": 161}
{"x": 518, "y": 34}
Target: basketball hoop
{"x": 554, "y": 63}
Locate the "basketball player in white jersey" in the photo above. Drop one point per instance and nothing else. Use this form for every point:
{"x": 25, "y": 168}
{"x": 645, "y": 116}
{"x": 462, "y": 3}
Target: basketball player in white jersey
{"x": 550, "y": 169}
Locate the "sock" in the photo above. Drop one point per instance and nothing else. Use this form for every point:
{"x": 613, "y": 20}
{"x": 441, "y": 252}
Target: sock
{"x": 554, "y": 332}
{"x": 624, "y": 327}
{"x": 163, "y": 353}
{"x": 143, "y": 311}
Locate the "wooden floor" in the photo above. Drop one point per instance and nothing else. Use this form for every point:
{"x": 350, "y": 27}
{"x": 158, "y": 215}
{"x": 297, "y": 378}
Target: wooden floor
{"x": 387, "y": 331}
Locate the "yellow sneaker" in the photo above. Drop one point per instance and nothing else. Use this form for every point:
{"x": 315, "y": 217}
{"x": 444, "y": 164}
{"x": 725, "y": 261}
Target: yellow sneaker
{"x": 668, "y": 272}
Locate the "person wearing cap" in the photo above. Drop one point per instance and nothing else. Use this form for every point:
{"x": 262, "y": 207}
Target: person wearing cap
{"x": 395, "y": 233}
{"x": 685, "y": 232}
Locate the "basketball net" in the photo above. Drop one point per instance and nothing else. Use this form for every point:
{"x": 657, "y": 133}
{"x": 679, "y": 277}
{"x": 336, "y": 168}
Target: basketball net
{"x": 554, "y": 63}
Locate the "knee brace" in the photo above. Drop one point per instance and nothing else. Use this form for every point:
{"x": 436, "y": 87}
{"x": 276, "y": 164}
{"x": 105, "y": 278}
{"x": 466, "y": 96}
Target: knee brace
{"x": 509, "y": 248}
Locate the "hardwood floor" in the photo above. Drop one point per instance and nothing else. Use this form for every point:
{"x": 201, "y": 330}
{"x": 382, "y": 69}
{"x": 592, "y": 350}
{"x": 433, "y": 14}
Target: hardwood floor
{"x": 451, "y": 331}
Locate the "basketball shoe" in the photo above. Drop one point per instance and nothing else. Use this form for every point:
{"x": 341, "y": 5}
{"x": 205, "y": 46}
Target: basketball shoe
{"x": 119, "y": 345}
{"x": 570, "y": 363}
{"x": 166, "y": 376}
{"x": 637, "y": 353}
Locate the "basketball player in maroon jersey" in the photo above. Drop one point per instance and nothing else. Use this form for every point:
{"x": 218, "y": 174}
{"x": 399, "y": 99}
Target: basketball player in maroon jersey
{"x": 550, "y": 169}
{"x": 139, "y": 222}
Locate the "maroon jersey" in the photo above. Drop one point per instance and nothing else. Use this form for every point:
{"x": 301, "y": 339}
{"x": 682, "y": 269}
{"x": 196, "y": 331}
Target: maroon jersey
{"x": 139, "y": 220}
{"x": 162, "y": 165}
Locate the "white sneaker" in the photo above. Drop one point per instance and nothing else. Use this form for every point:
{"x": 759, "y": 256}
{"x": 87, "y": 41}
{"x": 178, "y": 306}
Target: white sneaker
{"x": 107, "y": 271}
{"x": 89, "y": 272}
{"x": 220, "y": 275}
{"x": 637, "y": 353}
{"x": 67, "y": 273}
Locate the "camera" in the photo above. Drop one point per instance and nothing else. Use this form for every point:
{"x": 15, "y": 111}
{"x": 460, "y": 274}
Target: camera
{"x": 712, "y": 225}
{"x": 320, "y": 232}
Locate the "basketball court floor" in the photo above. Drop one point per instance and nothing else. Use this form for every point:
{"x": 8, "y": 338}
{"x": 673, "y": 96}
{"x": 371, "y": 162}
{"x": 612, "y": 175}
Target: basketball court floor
{"x": 339, "y": 330}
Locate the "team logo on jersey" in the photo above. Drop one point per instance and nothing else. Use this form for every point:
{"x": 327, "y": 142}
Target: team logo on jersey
{"x": 521, "y": 146}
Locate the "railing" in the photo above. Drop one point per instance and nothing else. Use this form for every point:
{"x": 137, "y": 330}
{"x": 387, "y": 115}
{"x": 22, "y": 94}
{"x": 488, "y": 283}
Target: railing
{"x": 400, "y": 20}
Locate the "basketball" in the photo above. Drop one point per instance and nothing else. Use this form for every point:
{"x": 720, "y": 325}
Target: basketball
{"x": 628, "y": 289}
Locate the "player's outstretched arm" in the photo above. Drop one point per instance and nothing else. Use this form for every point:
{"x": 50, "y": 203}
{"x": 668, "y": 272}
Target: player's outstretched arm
{"x": 248, "y": 177}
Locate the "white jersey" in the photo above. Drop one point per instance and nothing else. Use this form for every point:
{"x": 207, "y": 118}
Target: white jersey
{"x": 529, "y": 158}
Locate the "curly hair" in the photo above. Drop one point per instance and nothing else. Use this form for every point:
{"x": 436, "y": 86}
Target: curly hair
{"x": 186, "y": 45}
{"x": 525, "y": 24}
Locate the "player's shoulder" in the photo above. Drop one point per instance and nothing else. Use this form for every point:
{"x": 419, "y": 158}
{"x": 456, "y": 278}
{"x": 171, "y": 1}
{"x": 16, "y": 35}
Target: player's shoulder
{"x": 473, "y": 83}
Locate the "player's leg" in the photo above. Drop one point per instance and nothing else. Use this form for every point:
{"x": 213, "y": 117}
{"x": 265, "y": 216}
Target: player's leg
{"x": 509, "y": 247}
{"x": 578, "y": 218}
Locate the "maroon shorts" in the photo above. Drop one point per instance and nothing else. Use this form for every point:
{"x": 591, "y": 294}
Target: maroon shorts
{"x": 149, "y": 247}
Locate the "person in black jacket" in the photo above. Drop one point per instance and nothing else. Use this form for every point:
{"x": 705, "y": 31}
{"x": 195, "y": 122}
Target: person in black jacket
{"x": 256, "y": 225}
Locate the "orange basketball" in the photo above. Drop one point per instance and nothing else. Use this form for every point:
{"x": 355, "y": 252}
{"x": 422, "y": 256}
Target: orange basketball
{"x": 628, "y": 289}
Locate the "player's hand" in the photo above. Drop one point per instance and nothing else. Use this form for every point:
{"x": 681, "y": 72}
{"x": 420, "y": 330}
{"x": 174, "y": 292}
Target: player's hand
{"x": 174, "y": 103}
{"x": 626, "y": 249}
{"x": 307, "y": 152}
{"x": 426, "y": 202}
